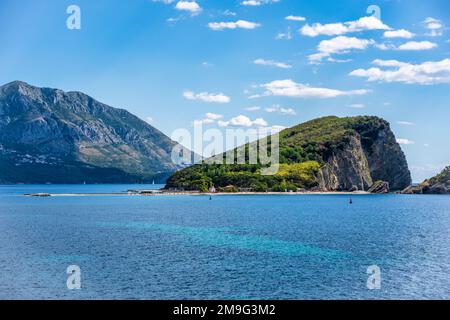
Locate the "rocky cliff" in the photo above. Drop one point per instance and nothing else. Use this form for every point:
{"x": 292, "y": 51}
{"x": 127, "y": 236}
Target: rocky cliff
{"x": 48, "y": 135}
{"x": 439, "y": 184}
{"x": 330, "y": 154}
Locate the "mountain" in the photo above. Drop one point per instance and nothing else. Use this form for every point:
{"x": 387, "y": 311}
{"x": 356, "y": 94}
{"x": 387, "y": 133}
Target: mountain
{"x": 330, "y": 154}
{"x": 51, "y": 136}
{"x": 439, "y": 184}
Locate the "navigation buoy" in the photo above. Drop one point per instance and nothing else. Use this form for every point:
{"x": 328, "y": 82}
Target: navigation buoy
{"x": 351, "y": 200}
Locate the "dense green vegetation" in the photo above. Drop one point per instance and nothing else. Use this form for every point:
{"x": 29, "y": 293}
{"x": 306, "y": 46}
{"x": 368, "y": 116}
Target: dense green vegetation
{"x": 237, "y": 177}
{"x": 303, "y": 150}
{"x": 443, "y": 177}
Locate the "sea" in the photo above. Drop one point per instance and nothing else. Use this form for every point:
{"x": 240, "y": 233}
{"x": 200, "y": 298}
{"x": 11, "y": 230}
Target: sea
{"x": 253, "y": 247}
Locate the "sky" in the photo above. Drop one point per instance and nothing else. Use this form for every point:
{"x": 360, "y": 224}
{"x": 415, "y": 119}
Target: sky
{"x": 245, "y": 63}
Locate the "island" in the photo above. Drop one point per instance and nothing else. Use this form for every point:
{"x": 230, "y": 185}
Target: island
{"x": 328, "y": 154}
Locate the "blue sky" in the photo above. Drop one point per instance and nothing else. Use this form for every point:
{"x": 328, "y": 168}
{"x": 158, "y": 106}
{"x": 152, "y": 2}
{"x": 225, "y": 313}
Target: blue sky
{"x": 258, "y": 63}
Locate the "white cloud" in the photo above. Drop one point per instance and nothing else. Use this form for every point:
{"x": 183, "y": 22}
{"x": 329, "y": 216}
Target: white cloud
{"x": 408, "y": 46}
{"x": 417, "y": 45}
{"x": 295, "y": 18}
{"x": 389, "y": 63}
{"x": 257, "y": 3}
{"x": 430, "y": 72}
{"x": 149, "y": 120}
{"x": 404, "y": 141}
{"x": 164, "y": 1}
{"x": 338, "y": 45}
{"x": 190, "y": 6}
{"x": 203, "y": 122}
{"x": 243, "y": 121}
{"x": 385, "y": 46}
{"x": 402, "y": 33}
{"x": 242, "y": 24}
{"x": 335, "y": 29}
{"x": 289, "y": 88}
{"x": 272, "y": 63}
{"x": 357, "y": 106}
{"x": 207, "y": 97}
{"x": 405, "y": 123}
{"x": 173, "y": 20}
{"x": 210, "y": 118}
{"x": 213, "y": 116}
{"x": 254, "y": 108}
{"x": 281, "y": 110}
{"x": 435, "y": 27}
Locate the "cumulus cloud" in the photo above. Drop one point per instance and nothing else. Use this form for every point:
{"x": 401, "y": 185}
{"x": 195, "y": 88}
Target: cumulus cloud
{"x": 242, "y": 24}
{"x": 338, "y": 45}
{"x": 340, "y": 28}
{"x": 289, "y": 88}
{"x": 210, "y": 118}
{"x": 281, "y": 110}
{"x": 408, "y": 46}
{"x": 435, "y": 27}
{"x": 417, "y": 46}
{"x": 213, "y": 116}
{"x": 207, "y": 97}
{"x": 243, "y": 121}
{"x": 190, "y": 6}
{"x": 402, "y": 33}
{"x": 405, "y": 141}
{"x": 272, "y": 63}
{"x": 295, "y": 18}
{"x": 257, "y": 3}
{"x": 427, "y": 73}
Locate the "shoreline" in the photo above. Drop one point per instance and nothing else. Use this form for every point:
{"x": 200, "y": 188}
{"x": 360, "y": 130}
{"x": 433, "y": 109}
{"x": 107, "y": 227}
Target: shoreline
{"x": 172, "y": 194}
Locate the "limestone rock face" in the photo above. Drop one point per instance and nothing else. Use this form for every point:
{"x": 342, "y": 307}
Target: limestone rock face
{"x": 347, "y": 169}
{"x": 379, "y": 187}
{"x": 439, "y": 184}
{"x": 370, "y": 153}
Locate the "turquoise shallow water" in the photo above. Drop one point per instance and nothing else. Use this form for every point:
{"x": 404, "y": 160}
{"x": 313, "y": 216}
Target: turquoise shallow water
{"x": 230, "y": 247}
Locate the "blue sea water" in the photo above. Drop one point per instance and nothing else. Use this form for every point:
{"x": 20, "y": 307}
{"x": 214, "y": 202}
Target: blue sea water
{"x": 230, "y": 247}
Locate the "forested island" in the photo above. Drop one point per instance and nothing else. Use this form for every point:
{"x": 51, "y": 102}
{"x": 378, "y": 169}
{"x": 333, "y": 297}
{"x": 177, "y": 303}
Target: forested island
{"x": 326, "y": 154}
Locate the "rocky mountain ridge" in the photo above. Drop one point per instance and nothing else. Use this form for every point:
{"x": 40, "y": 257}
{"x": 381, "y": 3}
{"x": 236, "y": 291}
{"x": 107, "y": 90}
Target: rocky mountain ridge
{"x": 51, "y": 136}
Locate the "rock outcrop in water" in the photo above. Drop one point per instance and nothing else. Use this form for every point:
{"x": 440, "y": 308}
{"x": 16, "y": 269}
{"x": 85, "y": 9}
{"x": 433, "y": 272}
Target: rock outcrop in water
{"x": 439, "y": 184}
{"x": 327, "y": 154}
{"x": 48, "y": 135}
{"x": 379, "y": 187}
